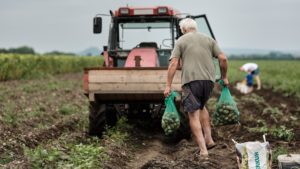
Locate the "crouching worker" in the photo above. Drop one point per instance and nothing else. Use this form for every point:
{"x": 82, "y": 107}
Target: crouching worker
{"x": 254, "y": 70}
{"x": 196, "y": 51}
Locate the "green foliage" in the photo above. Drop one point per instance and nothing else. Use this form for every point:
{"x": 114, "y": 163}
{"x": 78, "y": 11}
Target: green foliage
{"x": 118, "y": 133}
{"x": 283, "y": 133}
{"x": 68, "y": 109}
{"x": 9, "y": 116}
{"x": 253, "y": 98}
{"x": 273, "y": 112}
{"x": 88, "y": 155}
{"x": 280, "y": 132}
{"x": 278, "y": 151}
{"x": 15, "y": 66}
{"x": 6, "y": 157}
{"x": 81, "y": 154}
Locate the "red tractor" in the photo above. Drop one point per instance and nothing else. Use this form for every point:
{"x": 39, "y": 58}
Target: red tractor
{"x": 133, "y": 77}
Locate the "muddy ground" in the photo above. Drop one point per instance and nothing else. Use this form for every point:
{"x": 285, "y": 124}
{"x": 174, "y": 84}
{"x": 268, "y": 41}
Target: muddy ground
{"x": 39, "y": 112}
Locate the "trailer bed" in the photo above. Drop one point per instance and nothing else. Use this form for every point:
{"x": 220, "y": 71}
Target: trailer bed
{"x": 128, "y": 84}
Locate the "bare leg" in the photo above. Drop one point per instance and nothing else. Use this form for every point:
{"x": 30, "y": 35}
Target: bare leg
{"x": 258, "y": 82}
{"x": 197, "y": 131}
{"x": 205, "y": 122}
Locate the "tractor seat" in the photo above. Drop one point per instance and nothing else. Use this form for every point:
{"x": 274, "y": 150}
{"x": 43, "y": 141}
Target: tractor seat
{"x": 148, "y": 45}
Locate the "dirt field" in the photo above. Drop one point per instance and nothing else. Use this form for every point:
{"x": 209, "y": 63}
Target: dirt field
{"x": 50, "y": 111}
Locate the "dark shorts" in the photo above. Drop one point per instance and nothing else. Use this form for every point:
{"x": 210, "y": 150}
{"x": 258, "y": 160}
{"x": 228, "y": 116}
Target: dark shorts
{"x": 195, "y": 94}
{"x": 255, "y": 72}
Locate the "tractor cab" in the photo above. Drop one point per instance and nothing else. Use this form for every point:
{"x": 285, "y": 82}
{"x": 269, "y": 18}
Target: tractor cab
{"x": 144, "y": 37}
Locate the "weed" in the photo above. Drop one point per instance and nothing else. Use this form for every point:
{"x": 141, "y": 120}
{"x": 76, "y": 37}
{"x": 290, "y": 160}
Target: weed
{"x": 68, "y": 155}
{"x": 278, "y": 151}
{"x": 87, "y": 154}
{"x": 274, "y": 113}
{"x": 35, "y": 113}
{"x": 118, "y": 133}
{"x": 53, "y": 86}
{"x": 262, "y": 129}
{"x": 280, "y": 132}
{"x": 29, "y": 88}
{"x": 9, "y": 115}
{"x": 283, "y": 133}
{"x": 68, "y": 109}
{"x": 254, "y": 98}
{"x": 6, "y": 157}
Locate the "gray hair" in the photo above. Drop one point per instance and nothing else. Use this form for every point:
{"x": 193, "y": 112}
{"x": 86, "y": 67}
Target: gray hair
{"x": 188, "y": 24}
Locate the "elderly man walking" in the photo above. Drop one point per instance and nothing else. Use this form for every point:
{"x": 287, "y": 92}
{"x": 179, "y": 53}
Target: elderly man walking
{"x": 196, "y": 51}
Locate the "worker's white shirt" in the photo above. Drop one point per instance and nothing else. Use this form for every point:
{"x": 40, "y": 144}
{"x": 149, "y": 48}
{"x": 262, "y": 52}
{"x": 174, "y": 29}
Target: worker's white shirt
{"x": 249, "y": 67}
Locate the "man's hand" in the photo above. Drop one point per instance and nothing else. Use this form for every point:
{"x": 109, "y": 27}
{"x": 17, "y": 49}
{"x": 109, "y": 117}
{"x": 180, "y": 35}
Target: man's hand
{"x": 167, "y": 91}
{"x": 226, "y": 82}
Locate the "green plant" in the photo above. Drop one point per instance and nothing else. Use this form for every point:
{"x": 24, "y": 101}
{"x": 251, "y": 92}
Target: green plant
{"x": 80, "y": 155}
{"x": 28, "y": 66}
{"x": 280, "y": 132}
{"x": 274, "y": 113}
{"x": 283, "y": 133}
{"x": 43, "y": 158}
{"x": 68, "y": 109}
{"x": 118, "y": 133}
{"x": 278, "y": 151}
{"x": 262, "y": 129}
{"x": 6, "y": 157}
{"x": 9, "y": 115}
{"x": 254, "y": 98}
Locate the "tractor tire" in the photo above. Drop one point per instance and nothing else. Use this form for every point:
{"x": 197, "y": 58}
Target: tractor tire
{"x": 100, "y": 116}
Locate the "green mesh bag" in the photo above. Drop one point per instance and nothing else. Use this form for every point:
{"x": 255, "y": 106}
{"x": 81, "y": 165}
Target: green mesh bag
{"x": 226, "y": 109}
{"x": 170, "y": 121}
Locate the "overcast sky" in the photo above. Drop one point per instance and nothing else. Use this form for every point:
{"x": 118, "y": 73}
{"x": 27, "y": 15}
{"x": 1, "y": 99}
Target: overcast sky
{"x": 66, "y": 25}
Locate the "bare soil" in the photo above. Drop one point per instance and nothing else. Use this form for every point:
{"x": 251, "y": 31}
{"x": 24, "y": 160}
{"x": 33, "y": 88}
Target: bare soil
{"x": 146, "y": 148}
{"x": 157, "y": 152}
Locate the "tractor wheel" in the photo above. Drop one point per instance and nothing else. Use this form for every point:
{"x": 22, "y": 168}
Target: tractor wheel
{"x": 111, "y": 115}
{"x": 100, "y": 116}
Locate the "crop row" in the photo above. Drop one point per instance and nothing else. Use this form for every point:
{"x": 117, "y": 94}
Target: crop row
{"x": 14, "y": 66}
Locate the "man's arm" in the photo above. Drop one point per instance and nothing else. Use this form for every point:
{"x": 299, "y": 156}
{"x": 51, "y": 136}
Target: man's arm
{"x": 223, "y": 66}
{"x": 171, "y": 72}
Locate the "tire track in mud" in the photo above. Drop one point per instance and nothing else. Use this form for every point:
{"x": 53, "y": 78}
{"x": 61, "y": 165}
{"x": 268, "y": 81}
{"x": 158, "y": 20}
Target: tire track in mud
{"x": 156, "y": 153}
{"x": 151, "y": 151}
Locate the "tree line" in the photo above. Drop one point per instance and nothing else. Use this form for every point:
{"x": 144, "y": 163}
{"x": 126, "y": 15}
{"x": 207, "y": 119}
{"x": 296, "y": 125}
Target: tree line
{"x": 271, "y": 55}
{"x": 19, "y": 50}
{"x": 30, "y": 50}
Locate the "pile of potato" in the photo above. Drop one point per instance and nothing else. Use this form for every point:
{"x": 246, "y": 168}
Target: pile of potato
{"x": 170, "y": 122}
{"x": 226, "y": 114}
